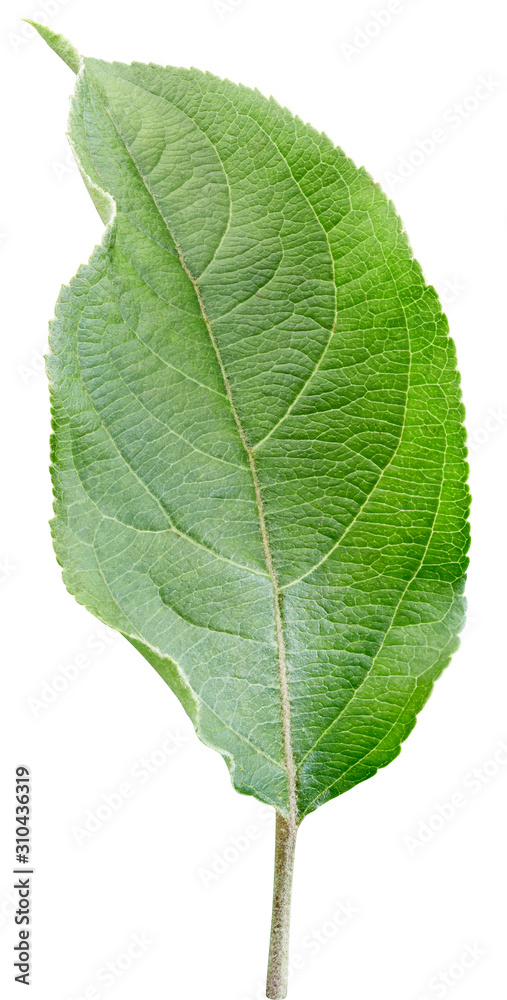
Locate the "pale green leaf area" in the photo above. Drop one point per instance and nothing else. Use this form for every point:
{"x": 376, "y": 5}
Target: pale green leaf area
{"x": 258, "y": 452}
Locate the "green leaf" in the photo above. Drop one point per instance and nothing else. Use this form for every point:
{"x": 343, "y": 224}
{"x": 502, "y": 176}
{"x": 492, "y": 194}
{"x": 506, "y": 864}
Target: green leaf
{"x": 258, "y": 453}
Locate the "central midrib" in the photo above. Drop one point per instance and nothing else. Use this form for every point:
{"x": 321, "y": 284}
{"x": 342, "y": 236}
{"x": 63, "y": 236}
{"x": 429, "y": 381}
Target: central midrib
{"x": 290, "y": 764}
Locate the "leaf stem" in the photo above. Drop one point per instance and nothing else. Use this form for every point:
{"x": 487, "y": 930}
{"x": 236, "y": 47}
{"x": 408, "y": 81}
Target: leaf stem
{"x": 278, "y": 964}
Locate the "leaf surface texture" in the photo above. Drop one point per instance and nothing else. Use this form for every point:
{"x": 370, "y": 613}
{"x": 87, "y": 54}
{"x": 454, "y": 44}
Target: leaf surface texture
{"x": 258, "y": 452}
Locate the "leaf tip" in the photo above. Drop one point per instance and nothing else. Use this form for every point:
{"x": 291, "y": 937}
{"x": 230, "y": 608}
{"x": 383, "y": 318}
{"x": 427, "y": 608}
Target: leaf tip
{"x": 59, "y": 44}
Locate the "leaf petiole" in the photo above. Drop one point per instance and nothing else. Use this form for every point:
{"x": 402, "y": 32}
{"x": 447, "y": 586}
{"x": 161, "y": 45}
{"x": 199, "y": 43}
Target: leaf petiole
{"x": 278, "y": 963}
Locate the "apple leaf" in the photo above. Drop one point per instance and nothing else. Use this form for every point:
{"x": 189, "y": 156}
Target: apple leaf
{"x": 258, "y": 452}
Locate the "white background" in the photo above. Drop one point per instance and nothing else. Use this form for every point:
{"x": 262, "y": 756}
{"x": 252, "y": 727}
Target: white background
{"x": 416, "y": 906}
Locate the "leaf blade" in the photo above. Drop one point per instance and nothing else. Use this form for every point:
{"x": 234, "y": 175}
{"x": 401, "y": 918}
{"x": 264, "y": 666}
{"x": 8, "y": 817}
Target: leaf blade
{"x": 335, "y": 369}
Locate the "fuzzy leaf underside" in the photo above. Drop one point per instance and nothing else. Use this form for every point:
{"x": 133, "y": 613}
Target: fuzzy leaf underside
{"x": 258, "y": 453}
